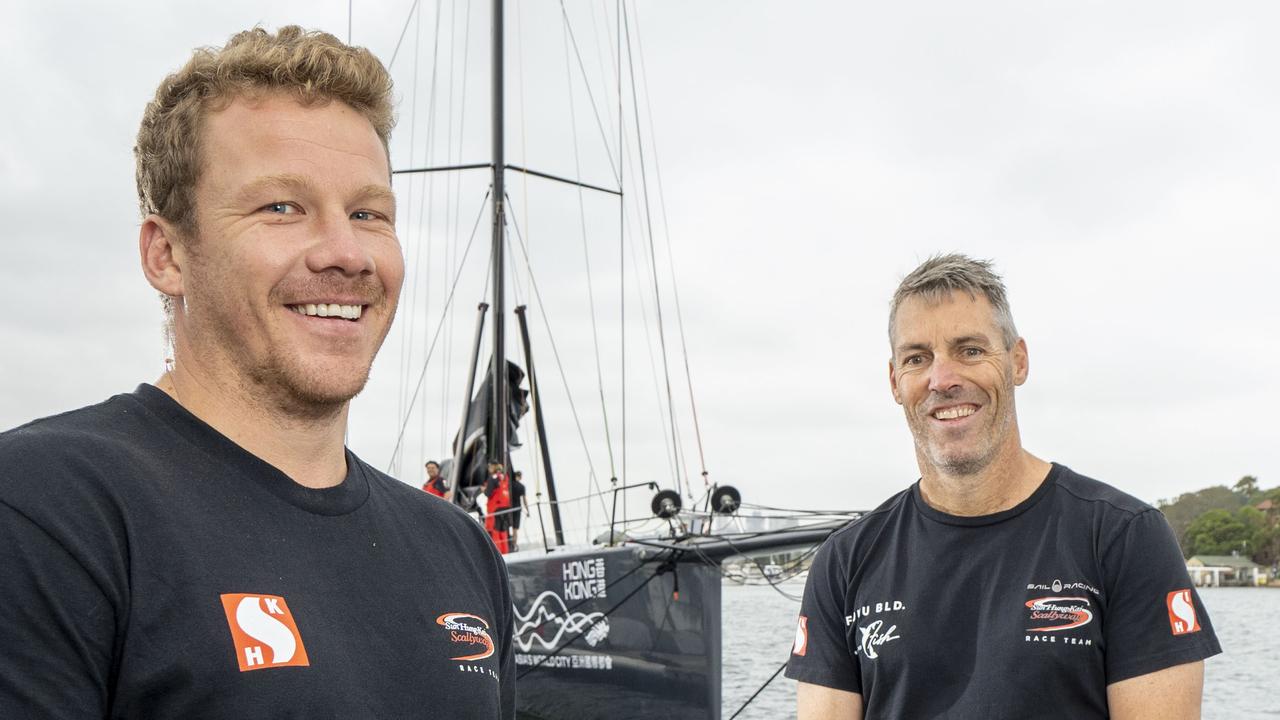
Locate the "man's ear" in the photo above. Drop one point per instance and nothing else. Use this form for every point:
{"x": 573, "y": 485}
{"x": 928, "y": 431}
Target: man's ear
{"x": 1021, "y": 363}
{"x": 893, "y": 382}
{"x": 162, "y": 255}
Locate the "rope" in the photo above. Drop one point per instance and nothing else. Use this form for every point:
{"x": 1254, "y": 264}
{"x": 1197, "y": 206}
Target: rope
{"x": 758, "y": 691}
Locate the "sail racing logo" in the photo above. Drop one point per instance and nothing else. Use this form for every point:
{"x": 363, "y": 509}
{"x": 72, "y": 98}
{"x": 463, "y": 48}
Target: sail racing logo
{"x": 1051, "y": 614}
{"x": 469, "y": 631}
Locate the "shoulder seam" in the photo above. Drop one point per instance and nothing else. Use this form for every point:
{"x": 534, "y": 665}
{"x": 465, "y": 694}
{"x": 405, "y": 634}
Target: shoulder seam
{"x": 1080, "y": 497}
{"x": 53, "y": 539}
{"x": 865, "y": 516}
{"x": 1123, "y": 530}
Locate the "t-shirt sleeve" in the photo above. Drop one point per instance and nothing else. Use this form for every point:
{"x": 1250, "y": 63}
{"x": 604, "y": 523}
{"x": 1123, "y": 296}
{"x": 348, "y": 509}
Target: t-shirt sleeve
{"x": 506, "y": 638}
{"x": 1154, "y": 617}
{"x": 57, "y": 627}
{"x": 820, "y": 654}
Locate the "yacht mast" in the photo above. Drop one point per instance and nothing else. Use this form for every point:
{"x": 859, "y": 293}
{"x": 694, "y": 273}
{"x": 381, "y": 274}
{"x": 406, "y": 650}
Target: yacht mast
{"x": 498, "y": 450}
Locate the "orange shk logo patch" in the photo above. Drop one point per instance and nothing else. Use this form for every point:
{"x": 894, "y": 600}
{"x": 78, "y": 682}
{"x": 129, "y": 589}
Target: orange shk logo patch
{"x": 802, "y": 636}
{"x": 264, "y": 632}
{"x": 469, "y": 631}
{"x": 1182, "y": 612}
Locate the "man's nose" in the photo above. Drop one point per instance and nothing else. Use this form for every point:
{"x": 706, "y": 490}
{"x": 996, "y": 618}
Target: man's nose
{"x": 339, "y": 247}
{"x": 944, "y": 375}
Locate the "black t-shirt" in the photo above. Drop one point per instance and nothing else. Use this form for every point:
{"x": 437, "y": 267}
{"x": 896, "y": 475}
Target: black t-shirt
{"x": 517, "y": 497}
{"x": 1030, "y": 612}
{"x": 153, "y": 568}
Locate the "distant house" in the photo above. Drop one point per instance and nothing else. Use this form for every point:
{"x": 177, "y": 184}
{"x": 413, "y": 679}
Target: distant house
{"x": 1265, "y": 506}
{"x": 1217, "y": 570}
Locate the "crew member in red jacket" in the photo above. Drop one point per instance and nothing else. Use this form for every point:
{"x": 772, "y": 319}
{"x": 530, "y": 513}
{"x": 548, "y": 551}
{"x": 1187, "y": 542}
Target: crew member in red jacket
{"x": 435, "y": 484}
{"x": 498, "y": 491}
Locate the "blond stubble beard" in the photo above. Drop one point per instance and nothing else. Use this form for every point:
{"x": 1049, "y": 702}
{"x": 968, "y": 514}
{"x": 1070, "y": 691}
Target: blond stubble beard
{"x": 281, "y": 384}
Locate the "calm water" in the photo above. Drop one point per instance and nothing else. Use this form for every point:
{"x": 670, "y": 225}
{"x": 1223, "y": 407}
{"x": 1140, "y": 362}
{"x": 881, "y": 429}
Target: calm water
{"x": 759, "y": 627}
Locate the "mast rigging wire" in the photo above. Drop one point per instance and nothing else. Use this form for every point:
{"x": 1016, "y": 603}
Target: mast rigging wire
{"x": 428, "y": 193}
{"x": 644, "y": 187}
{"x": 586, "y": 251}
{"x": 396, "y": 52}
{"x": 582, "y": 68}
{"x": 758, "y": 691}
{"x": 453, "y": 198}
{"x": 542, "y": 312}
{"x": 444, "y": 313}
{"x": 622, "y": 246}
{"x": 666, "y": 229}
{"x": 406, "y": 337}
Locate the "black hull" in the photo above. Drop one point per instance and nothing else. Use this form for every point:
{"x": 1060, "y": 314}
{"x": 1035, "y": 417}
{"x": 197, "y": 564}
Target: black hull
{"x": 604, "y": 634}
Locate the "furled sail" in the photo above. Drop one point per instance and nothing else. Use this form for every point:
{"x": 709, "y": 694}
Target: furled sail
{"x": 475, "y": 446}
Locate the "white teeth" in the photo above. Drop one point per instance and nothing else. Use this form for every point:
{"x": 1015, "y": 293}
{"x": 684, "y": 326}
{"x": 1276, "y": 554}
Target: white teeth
{"x": 334, "y": 310}
{"x": 954, "y": 412}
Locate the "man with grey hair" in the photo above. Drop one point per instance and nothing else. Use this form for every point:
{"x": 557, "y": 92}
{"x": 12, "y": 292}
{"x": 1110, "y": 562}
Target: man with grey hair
{"x": 998, "y": 585}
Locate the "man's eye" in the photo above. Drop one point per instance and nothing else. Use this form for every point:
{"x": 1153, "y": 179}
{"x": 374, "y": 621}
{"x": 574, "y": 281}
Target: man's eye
{"x": 913, "y": 360}
{"x": 281, "y": 208}
{"x": 972, "y": 352}
{"x": 364, "y": 215}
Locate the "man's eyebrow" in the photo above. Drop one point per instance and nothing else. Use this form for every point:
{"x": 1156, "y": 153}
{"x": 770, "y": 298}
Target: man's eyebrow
{"x": 374, "y": 191}
{"x": 283, "y": 181}
{"x": 295, "y": 183}
{"x": 909, "y": 347}
{"x": 976, "y": 339}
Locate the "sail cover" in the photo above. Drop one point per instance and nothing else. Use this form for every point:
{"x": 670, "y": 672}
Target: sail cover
{"x": 475, "y": 448}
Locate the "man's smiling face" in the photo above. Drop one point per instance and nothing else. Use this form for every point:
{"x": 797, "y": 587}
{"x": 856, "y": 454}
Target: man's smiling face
{"x": 292, "y": 279}
{"x": 954, "y": 379}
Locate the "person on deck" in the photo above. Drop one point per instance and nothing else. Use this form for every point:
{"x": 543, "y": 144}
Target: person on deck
{"x": 998, "y": 585}
{"x": 435, "y": 484}
{"x": 497, "y": 521}
{"x": 206, "y": 547}
{"x": 519, "y": 506}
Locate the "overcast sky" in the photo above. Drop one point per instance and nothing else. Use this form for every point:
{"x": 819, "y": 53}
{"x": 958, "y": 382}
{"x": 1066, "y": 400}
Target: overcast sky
{"x": 1119, "y": 162}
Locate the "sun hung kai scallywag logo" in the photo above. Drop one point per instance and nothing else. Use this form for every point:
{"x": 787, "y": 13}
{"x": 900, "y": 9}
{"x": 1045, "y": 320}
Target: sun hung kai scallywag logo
{"x": 1050, "y": 614}
{"x": 468, "y": 630}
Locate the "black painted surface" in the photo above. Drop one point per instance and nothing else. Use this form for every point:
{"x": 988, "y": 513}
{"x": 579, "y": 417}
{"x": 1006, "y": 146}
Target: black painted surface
{"x": 602, "y": 634}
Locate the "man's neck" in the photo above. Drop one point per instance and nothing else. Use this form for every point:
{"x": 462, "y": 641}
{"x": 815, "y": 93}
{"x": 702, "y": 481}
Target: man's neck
{"x": 1006, "y": 481}
{"x": 309, "y": 450}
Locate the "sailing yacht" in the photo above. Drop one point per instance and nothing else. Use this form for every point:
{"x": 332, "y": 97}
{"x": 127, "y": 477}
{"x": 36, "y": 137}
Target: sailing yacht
{"x": 616, "y": 584}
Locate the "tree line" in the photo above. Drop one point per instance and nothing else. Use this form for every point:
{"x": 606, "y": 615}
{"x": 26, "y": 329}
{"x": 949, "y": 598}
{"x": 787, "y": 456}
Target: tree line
{"x": 1222, "y": 520}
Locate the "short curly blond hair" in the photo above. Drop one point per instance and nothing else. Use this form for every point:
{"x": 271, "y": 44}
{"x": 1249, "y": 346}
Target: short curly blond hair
{"x": 315, "y": 67}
